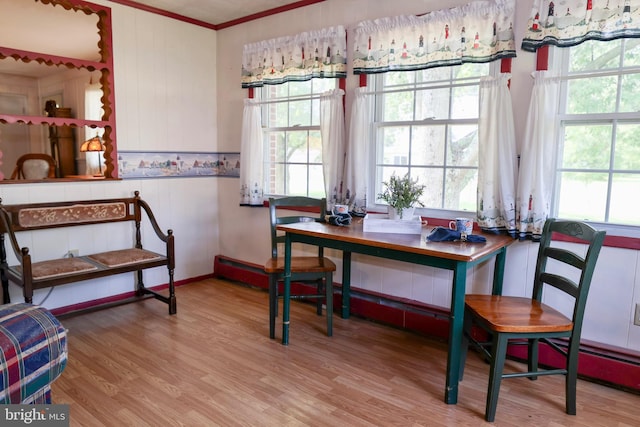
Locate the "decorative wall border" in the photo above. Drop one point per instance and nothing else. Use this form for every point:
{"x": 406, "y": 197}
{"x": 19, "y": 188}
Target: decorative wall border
{"x": 177, "y": 164}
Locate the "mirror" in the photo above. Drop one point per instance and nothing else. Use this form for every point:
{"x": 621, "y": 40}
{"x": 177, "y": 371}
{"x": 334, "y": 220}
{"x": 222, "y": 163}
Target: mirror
{"x": 56, "y": 85}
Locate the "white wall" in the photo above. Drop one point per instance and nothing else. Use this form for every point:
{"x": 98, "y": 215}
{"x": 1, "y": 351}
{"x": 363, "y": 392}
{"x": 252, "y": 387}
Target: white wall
{"x": 244, "y": 230}
{"x": 165, "y": 100}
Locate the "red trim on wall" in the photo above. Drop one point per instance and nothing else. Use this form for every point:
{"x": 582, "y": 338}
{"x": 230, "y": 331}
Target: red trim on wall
{"x": 505, "y": 65}
{"x": 621, "y": 242}
{"x": 542, "y": 58}
{"x": 162, "y": 12}
{"x": 269, "y": 12}
{"x": 266, "y": 13}
{"x": 620, "y": 368}
{"x": 623, "y": 373}
{"x": 363, "y": 80}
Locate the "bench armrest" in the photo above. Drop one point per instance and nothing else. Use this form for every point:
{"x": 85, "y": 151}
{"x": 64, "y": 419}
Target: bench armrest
{"x": 167, "y": 238}
{"x": 5, "y": 228}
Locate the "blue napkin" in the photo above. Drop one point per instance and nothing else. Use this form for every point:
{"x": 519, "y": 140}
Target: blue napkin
{"x": 339, "y": 219}
{"x": 442, "y": 234}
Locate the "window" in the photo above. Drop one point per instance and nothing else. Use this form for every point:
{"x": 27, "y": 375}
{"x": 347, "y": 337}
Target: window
{"x": 426, "y": 125}
{"x": 293, "y": 146}
{"x": 598, "y": 158}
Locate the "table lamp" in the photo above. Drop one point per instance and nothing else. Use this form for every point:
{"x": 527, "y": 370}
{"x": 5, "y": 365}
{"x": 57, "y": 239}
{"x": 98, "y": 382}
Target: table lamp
{"x": 94, "y": 144}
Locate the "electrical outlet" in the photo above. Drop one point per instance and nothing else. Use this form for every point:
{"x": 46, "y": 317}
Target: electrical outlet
{"x": 636, "y": 318}
{"x": 73, "y": 253}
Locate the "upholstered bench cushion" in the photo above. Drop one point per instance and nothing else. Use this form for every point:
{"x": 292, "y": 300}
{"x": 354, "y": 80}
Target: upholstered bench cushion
{"x": 124, "y": 257}
{"x": 33, "y": 352}
{"x": 58, "y": 267}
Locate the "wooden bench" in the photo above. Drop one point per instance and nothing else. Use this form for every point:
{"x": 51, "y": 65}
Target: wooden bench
{"x": 44, "y": 274}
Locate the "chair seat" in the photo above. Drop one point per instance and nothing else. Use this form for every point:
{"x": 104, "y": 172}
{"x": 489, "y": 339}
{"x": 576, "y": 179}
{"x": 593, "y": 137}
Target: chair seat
{"x": 516, "y": 314}
{"x": 311, "y": 264}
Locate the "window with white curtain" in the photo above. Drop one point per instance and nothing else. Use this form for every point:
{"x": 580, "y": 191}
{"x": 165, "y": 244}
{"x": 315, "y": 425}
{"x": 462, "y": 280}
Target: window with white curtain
{"x": 598, "y": 157}
{"x": 426, "y": 125}
{"x": 292, "y": 141}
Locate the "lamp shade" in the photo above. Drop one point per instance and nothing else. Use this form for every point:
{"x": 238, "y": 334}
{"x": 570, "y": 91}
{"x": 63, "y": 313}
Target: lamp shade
{"x": 93, "y": 144}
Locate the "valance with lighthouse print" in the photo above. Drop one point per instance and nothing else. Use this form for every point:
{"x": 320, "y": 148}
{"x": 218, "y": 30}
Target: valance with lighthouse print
{"x": 312, "y": 54}
{"x": 567, "y": 23}
{"x": 481, "y": 31}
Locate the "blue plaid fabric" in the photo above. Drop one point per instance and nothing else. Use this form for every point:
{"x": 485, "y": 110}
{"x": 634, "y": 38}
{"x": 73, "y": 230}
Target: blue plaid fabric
{"x": 34, "y": 353}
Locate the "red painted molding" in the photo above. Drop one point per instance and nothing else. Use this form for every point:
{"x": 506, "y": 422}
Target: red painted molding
{"x": 266, "y": 13}
{"x": 601, "y": 363}
{"x": 505, "y": 65}
{"x": 542, "y": 58}
{"x": 610, "y": 241}
{"x": 162, "y": 12}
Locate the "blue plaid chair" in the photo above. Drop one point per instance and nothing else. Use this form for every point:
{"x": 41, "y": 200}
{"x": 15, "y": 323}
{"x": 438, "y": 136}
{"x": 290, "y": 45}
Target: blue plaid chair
{"x": 34, "y": 353}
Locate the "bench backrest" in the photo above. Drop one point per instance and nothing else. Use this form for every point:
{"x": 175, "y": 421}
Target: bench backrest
{"x": 35, "y": 216}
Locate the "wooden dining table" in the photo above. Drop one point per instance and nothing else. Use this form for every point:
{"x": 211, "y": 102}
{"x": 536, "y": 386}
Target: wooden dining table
{"x": 457, "y": 256}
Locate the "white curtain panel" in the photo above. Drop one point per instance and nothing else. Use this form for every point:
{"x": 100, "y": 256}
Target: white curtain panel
{"x": 357, "y": 169}
{"x": 333, "y": 151}
{"x": 537, "y": 162}
{"x": 497, "y": 160}
{"x": 251, "y": 156}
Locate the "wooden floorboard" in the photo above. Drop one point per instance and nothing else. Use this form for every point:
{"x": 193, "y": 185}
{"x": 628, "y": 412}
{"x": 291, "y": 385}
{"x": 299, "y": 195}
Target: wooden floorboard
{"x": 213, "y": 364}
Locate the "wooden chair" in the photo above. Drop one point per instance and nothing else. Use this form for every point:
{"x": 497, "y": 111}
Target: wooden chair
{"x": 34, "y": 166}
{"x": 529, "y": 321}
{"x": 315, "y": 269}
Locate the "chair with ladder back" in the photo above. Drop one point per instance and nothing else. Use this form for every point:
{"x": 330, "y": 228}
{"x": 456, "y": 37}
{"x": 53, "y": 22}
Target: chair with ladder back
{"x": 518, "y": 320}
{"x": 304, "y": 269}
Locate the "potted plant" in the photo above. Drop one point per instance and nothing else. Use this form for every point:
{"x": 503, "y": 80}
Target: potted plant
{"x": 402, "y": 195}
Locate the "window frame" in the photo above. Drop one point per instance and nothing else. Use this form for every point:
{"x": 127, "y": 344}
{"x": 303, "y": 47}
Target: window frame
{"x": 268, "y": 165}
{"x": 559, "y": 63}
{"x": 375, "y": 178}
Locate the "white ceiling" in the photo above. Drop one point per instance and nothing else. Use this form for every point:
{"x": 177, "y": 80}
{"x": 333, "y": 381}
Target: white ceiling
{"x": 215, "y": 12}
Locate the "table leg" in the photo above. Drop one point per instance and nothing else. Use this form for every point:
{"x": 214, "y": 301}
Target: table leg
{"x": 455, "y": 333}
{"x": 498, "y": 272}
{"x": 287, "y": 289}
{"x": 346, "y": 284}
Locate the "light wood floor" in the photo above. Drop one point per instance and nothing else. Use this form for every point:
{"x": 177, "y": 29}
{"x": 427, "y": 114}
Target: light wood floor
{"x": 213, "y": 365}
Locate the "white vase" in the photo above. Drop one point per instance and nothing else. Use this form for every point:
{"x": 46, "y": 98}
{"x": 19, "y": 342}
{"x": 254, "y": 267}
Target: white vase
{"x": 403, "y": 214}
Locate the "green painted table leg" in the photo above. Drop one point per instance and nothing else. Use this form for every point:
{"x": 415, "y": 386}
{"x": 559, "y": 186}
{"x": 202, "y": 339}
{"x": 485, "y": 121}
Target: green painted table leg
{"x": 455, "y": 333}
{"x": 287, "y": 290}
{"x": 498, "y": 272}
{"x": 346, "y": 284}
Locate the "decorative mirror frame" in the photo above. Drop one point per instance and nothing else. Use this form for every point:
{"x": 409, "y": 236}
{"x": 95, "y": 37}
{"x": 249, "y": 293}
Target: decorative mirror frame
{"x": 105, "y": 66}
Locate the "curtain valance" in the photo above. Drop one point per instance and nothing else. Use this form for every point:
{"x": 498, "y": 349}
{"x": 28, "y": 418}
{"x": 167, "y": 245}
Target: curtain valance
{"x": 571, "y": 22}
{"x": 481, "y": 31}
{"x": 301, "y": 57}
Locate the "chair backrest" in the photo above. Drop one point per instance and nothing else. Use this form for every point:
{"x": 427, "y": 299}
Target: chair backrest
{"x": 34, "y": 166}
{"x": 291, "y": 204}
{"x": 585, "y": 265}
